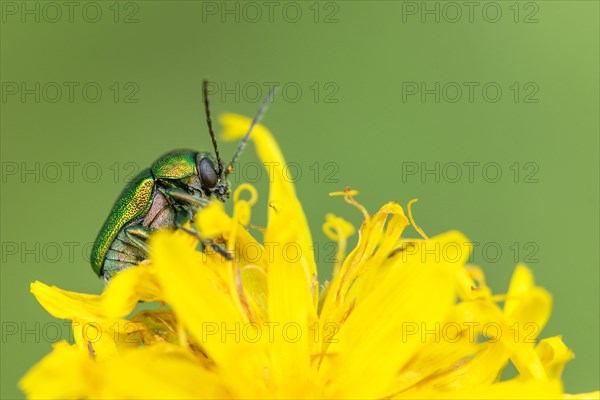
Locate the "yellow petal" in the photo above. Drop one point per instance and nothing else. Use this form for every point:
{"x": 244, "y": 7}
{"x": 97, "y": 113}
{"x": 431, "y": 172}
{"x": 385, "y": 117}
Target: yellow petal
{"x": 212, "y": 314}
{"x": 370, "y": 343}
{"x": 360, "y": 260}
{"x": 451, "y": 347}
{"x": 91, "y": 322}
{"x": 512, "y": 389}
{"x": 507, "y": 342}
{"x": 471, "y": 284}
{"x": 67, "y": 305}
{"x": 127, "y": 288}
{"x": 583, "y": 396}
{"x": 554, "y": 354}
{"x": 188, "y": 285}
{"x": 289, "y": 213}
{"x": 521, "y": 282}
{"x": 157, "y": 372}
{"x": 213, "y": 221}
{"x": 161, "y": 371}
{"x": 291, "y": 307}
{"x": 66, "y": 373}
{"x": 254, "y": 281}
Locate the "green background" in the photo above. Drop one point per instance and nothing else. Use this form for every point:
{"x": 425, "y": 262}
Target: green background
{"x": 353, "y": 61}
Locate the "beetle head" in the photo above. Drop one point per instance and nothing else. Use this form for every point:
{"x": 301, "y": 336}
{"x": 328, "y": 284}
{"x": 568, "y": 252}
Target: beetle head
{"x": 210, "y": 179}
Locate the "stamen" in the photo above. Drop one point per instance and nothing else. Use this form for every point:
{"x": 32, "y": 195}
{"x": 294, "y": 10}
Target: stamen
{"x": 246, "y": 187}
{"x": 412, "y": 221}
{"x": 348, "y": 198}
{"x": 336, "y": 228}
{"x": 348, "y": 311}
{"x": 313, "y": 285}
{"x": 346, "y": 192}
{"x": 257, "y": 227}
{"x": 339, "y": 230}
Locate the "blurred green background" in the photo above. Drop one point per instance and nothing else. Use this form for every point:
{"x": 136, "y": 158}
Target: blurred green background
{"x": 401, "y": 100}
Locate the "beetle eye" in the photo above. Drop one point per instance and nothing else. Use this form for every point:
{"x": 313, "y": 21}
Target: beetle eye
{"x": 208, "y": 175}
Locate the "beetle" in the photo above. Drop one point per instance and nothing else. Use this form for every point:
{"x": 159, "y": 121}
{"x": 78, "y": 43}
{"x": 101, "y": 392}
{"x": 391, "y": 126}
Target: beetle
{"x": 166, "y": 195}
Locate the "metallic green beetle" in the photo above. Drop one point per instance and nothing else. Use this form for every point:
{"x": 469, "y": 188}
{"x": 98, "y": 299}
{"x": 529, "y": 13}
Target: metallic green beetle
{"x": 166, "y": 195}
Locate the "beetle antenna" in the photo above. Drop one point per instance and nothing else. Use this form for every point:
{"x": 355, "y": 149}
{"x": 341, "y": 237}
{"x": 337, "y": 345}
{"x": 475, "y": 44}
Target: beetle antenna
{"x": 210, "y": 128}
{"x": 257, "y": 117}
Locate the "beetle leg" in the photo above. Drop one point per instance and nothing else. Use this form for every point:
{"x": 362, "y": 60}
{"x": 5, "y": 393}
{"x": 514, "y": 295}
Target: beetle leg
{"x": 182, "y": 195}
{"x": 217, "y": 248}
{"x": 184, "y": 215}
{"x": 138, "y": 235}
{"x": 207, "y": 242}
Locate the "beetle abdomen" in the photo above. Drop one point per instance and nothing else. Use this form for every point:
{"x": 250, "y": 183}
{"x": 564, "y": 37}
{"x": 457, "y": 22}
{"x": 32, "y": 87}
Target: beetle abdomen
{"x": 160, "y": 215}
{"x": 133, "y": 203}
{"x": 122, "y": 254}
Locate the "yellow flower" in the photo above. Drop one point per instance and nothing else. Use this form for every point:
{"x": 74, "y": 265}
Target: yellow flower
{"x": 400, "y": 318}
